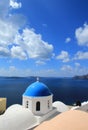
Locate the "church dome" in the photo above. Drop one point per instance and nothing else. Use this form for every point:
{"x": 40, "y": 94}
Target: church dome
{"x": 37, "y": 89}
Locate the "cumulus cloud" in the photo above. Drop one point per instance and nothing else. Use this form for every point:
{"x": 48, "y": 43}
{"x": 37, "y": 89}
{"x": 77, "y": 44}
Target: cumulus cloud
{"x": 17, "y": 52}
{"x": 81, "y": 55}
{"x": 68, "y": 39}
{"x": 7, "y": 33}
{"x": 81, "y": 34}
{"x": 33, "y": 44}
{"x": 4, "y": 52}
{"x": 9, "y": 28}
{"x": 18, "y": 42}
{"x": 14, "y": 4}
{"x": 64, "y": 56}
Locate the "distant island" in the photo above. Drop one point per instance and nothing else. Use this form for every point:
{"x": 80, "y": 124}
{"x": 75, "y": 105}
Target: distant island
{"x": 84, "y": 77}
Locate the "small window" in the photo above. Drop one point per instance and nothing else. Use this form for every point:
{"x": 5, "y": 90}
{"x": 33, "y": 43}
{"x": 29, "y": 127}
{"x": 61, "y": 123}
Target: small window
{"x": 48, "y": 104}
{"x": 38, "y": 106}
{"x": 26, "y": 104}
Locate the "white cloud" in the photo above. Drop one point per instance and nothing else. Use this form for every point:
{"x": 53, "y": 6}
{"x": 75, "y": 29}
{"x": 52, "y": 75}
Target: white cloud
{"x": 64, "y": 71}
{"x": 9, "y": 24}
{"x": 12, "y": 68}
{"x": 81, "y": 55}
{"x": 13, "y": 71}
{"x": 77, "y": 64}
{"x": 64, "y": 56}
{"x": 33, "y": 44}
{"x": 17, "y": 52}
{"x": 82, "y": 71}
{"x": 28, "y": 44}
{"x": 81, "y": 34}
{"x": 68, "y": 39}
{"x": 4, "y": 52}
{"x": 66, "y": 68}
{"x": 40, "y": 62}
{"x": 14, "y": 4}
{"x": 7, "y": 33}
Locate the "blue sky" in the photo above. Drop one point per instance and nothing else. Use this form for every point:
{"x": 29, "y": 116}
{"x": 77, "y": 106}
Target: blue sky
{"x": 43, "y": 37}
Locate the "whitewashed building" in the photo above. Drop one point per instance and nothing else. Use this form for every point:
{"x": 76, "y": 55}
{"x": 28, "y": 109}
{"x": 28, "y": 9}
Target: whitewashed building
{"x": 38, "y": 98}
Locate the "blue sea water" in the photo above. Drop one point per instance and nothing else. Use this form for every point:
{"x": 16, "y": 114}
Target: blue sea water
{"x": 67, "y": 90}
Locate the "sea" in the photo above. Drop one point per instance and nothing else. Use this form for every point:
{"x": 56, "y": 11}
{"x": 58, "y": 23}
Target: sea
{"x": 66, "y": 90}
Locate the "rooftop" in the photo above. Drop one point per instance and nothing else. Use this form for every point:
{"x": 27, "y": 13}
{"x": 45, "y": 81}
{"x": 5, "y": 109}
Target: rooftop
{"x": 70, "y": 120}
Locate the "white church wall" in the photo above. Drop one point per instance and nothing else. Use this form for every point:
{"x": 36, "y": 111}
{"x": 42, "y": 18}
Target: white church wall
{"x": 45, "y": 104}
{"x": 24, "y": 102}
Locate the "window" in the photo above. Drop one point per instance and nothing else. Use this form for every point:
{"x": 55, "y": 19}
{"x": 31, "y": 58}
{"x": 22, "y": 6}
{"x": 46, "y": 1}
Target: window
{"x": 38, "y": 106}
{"x": 48, "y": 104}
{"x": 26, "y": 104}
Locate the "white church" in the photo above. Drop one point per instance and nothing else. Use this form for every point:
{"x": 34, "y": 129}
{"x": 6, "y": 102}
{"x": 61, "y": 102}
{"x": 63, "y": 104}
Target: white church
{"x": 37, "y": 106}
{"x": 38, "y": 99}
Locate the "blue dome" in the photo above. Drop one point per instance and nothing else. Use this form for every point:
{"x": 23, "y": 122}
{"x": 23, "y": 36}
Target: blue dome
{"x": 37, "y": 89}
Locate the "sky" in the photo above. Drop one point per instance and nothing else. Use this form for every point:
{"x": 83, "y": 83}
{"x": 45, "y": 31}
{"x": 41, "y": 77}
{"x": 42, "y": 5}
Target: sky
{"x": 43, "y": 38}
